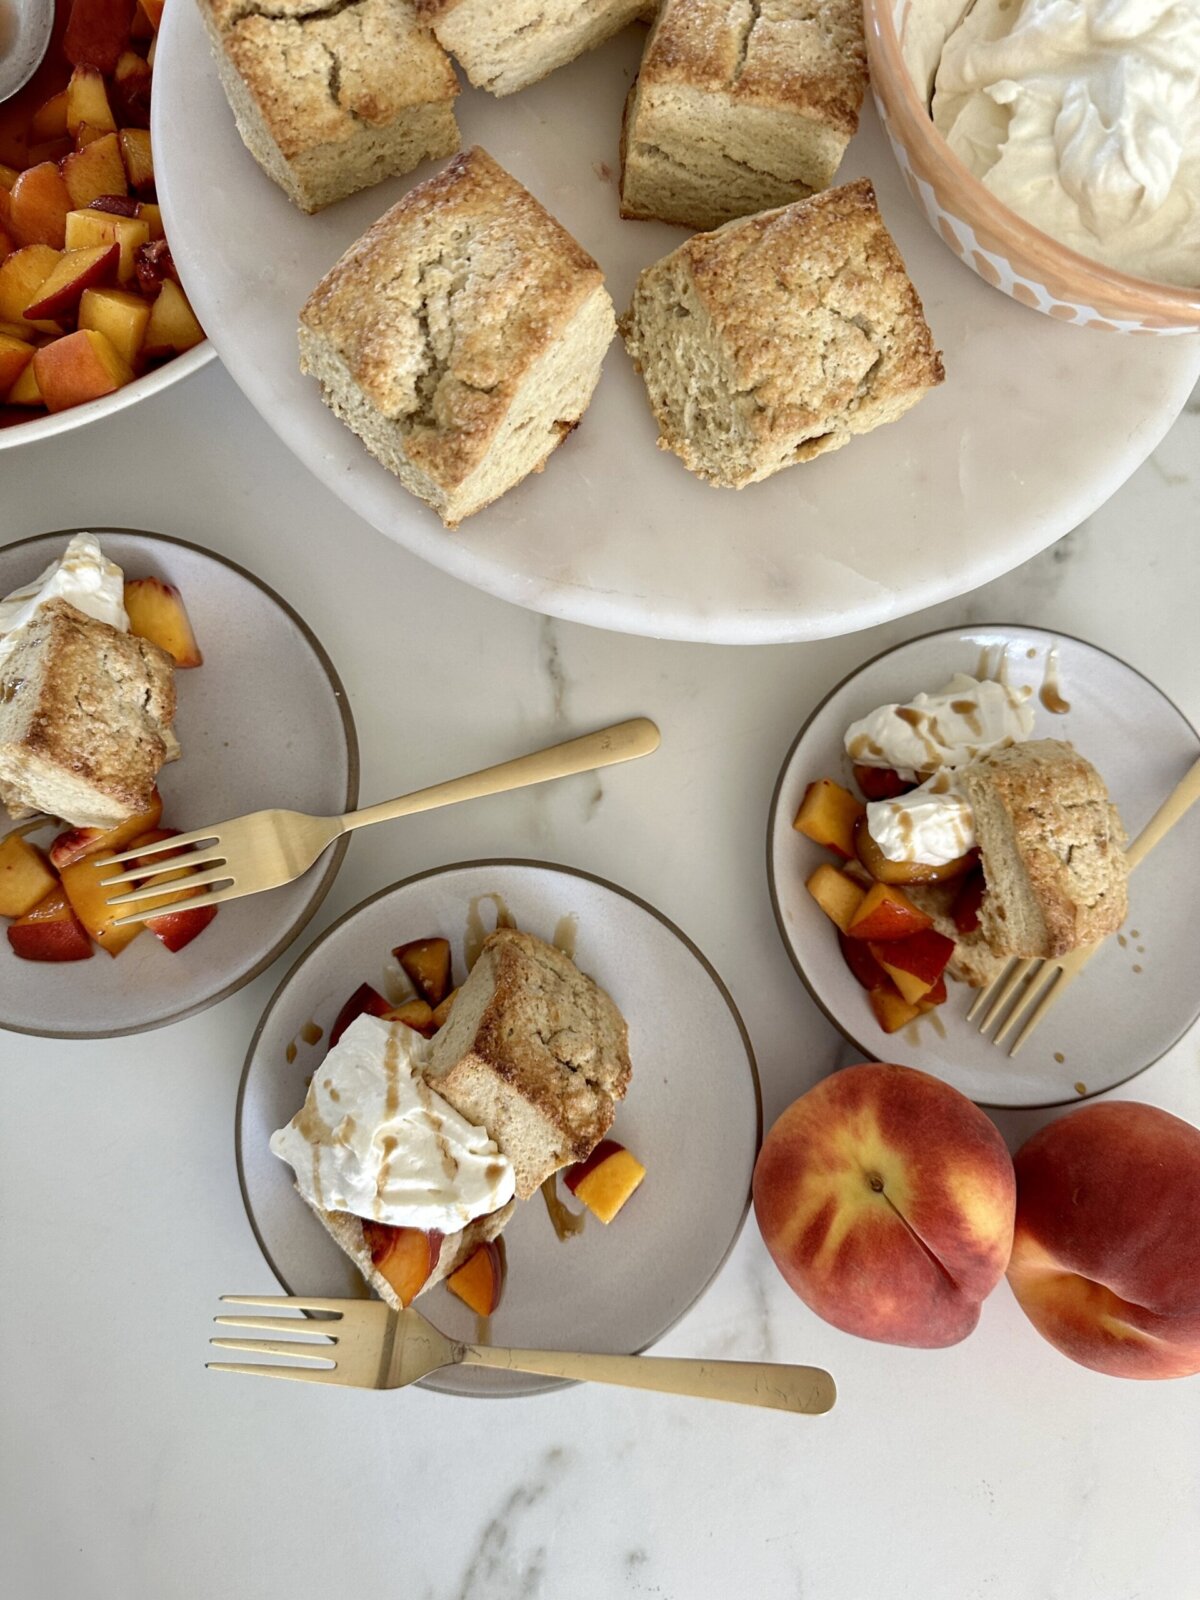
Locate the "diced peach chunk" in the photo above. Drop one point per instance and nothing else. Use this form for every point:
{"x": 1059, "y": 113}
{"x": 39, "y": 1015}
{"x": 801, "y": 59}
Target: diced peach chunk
{"x": 426, "y": 964}
{"x": 837, "y": 894}
{"x": 38, "y": 206}
{"x": 827, "y": 815}
{"x": 414, "y": 1014}
{"x": 82, "y": 366}
{"x": 366, "y": 1000}
{"x": 120, "y": 316}
{"x": 404, "y": 1256}
{"x": 82, "y": 883}
{"x": 15, "y": 356}
{"x": 90, "y": 227}
{"x": 25, "y": 877}
{"x": 892, "y": 1011}
{"x": 914, "y": 964}
{"x": 87, "y": 101}
{"x": 25, "y": 391}
{"x": 50, "y": 932}
{"x": 886, "y": 913}
{"x": 856, "y": 953}
{"x": 884, "y": 870}
{"x": 157, "y": 612}
{"x": 173, "y": 327}
{"x": 74, "y": 271}
{"x": 441, "y": 1013}
{"x": 605, "y": 1181}
{"x": 49, "y": 121}
{"x": 172, "y": 928}
{"x": 98, "y": 32}
{"x": 881, "y": 783}
{"x": 479, "y": 1282}
{"x": 95, "y": 170}
{"x": 21, "y": 276}
{"x": 138, "y": 158}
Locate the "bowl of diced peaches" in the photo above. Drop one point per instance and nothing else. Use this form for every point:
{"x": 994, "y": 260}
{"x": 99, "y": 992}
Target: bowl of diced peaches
{"x": 92, "y": 313}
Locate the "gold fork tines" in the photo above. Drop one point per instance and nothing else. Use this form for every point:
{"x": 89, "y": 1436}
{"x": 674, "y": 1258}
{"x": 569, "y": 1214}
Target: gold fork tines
{"x": 363, "y": 1344}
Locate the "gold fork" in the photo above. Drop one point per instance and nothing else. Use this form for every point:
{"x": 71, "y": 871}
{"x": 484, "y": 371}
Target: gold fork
{"x": 370, "y": 1346}
{"x": 1047, "y": 980}
{"x": 269, "y": 848}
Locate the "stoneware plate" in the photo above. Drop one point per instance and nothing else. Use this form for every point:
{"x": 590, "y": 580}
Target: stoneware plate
{"x": 290, "y": 741}
{"x": 1140, "y": 992}
{"x": 1035, "y": 427}
{"x": 693, "y": 1114}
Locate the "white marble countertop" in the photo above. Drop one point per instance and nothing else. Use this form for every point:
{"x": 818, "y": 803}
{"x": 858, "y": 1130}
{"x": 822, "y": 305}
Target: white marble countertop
{"x": 995, "y": 1470}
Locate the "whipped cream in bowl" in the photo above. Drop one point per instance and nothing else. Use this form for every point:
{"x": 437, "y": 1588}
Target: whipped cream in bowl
{"x": 372, "y": 1138}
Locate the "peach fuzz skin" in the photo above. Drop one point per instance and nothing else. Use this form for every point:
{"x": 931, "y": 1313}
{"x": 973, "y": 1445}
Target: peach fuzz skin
{"x": 1106, "y": 1256}
{"x": 886, "y": 1200}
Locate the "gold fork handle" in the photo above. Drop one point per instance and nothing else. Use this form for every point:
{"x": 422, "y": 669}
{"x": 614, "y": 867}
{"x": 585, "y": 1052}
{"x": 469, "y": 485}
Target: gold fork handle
{"x": 752, "y": 1383}
{"x": 625, "y": 741}
{"x": 1181, "y": 799}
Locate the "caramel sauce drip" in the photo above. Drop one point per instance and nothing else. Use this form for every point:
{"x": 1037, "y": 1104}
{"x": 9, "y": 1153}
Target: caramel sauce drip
{"x": 565, "y": 1223}
{"x": 476, "y": 932}
{"x": 290, "y": 1052}
{"x": 391, "y": 1065}
{"x": 1059, "y": 1057}
{"x": 1050, "y": 693}
{"x": 311, "y": 1033}
{"x": 565, "y": 934}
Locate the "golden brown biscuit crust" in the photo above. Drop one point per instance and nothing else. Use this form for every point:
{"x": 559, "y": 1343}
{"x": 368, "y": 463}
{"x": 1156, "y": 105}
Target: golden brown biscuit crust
{"x": 440, "y": 310}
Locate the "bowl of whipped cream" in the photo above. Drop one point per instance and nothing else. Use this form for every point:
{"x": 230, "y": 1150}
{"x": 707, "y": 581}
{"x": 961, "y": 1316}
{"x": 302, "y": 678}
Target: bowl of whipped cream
{"x": 1054, "y": 145}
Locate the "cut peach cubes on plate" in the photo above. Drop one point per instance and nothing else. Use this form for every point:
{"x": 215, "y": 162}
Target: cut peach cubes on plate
{"x": 82, "y": 884}
{"x": 414, "y": 1014}
{"x": 364, "y": 999}
{"x": 914, "y": 964}
{"x": 50, "y": 932}
{"x": 884, "y": 870}
{"x": 75, "y": 843}
{"x": 173, "y": 928}
{"x": 838, "y": 895}
{"x": 886, "y": 912}
{"x": 479, "y": 1282}
{"x": 404, "y": 1256}
{"x": 81, "y": 366}
{"x": 606, "y": 1180}
{"x": 828, "y": 815}
{"x": 157, "y": 612}
{"x": 25, "y": 876}
{"x": 426, "y": 964}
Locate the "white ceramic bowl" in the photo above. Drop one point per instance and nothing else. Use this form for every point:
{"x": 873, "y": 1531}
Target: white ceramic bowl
{"x": 46, "y": 427}
{"x": 1003, "y": 248}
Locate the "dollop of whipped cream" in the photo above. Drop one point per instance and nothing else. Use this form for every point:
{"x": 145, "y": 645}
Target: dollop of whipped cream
{"x": 960, "y": 723}
{"x": 84, "y": 576}
{"x": 374, "y": 1139}
{"x": 933, "y": 736}
{"x": 933, "y": 824}
{"x": 1083, "y": 116}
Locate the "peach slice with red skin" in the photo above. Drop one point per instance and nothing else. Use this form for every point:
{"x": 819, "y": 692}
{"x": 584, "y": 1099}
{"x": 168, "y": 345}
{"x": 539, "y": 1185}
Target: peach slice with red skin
{"x": 364, "y": 1000}
{"x": 95, "y": 170}
{"x": 173, "y": 327}
{"x": 426, "y": 964}
{"x": 97, "y": 33}
{"x": 38, "y": 208}
{"x": 858, "y": 957}
{"x": 79, "y": 367}
{"x": 606, "y": 1179}
{"x": 87, "y": 102}
{"x": 76, "y": 843}
{"x": 892, "y": 1010}
{"x": 886, "y": 912}
{"x": 914, "y": 964}
{"x": 25, "y": 877}
{"x": 828, "y": 815}
{"x": 404, "y": 1256}
{"x": 157, "y": 612}
{"x": 50, "y": 932}
{"x": 479, "y": 1282}
{"x": 83, "y": 887}
{"x": 15, "y": 356}
{"x": 74, "y": 271}
{"x": 838, "y": 895}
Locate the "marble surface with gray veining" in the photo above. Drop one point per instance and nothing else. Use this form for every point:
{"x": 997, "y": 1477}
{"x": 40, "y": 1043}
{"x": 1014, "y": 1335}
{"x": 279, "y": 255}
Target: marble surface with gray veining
{"x": 992, "y": 1471}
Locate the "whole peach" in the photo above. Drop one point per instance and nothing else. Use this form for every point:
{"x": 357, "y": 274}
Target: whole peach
{"x": 1106, "y": 1257}
{"x": 886, "y": 1200}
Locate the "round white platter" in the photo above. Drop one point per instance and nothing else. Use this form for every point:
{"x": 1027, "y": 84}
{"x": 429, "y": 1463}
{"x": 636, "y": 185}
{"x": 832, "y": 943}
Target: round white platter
{"x": 1035, "y": 427}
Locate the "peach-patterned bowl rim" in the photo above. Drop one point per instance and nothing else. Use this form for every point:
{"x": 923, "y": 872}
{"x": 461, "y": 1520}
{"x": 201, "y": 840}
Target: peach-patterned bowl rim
{"x": 1143, "y": 296}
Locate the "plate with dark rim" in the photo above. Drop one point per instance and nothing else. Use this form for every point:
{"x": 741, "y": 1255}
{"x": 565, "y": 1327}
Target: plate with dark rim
{"x": 1140, "y": 992}
{"x": 693, "y": 1113}
{"x": 264, "y": 721}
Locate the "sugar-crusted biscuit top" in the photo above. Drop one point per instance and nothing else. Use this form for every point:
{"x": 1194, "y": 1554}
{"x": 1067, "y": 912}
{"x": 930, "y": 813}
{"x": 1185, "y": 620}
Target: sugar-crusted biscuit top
{"x": 318, "y": 69}
{"x": 809, "y": 300}
{"x": 806, "y": 54}
{"x": 442, "y": 307}
{"x": 98, "y": 703}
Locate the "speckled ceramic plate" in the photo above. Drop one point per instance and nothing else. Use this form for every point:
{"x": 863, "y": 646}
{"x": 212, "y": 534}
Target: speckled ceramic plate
{"x": 1036, "y": 425}
{"x": 693, "y": 1114}
{"x": 264, "y": 721}
{"x": 1141, "y": 990}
